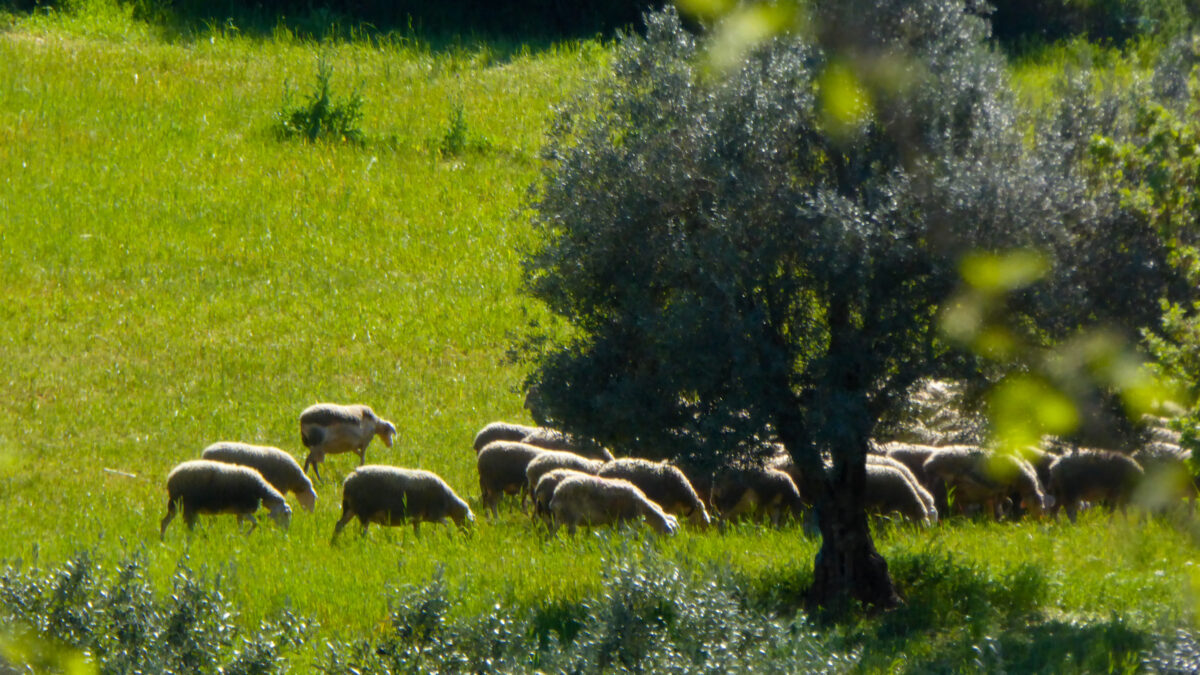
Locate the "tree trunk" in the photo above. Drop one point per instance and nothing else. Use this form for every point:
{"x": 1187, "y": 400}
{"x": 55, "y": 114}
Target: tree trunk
{"x": 848, "y": 570}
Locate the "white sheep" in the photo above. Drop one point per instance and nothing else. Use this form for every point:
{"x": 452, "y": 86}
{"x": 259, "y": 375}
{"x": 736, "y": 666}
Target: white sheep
{"x": 543, "y": 491}
{"x": 502, "y": 466}
{"x": 591, "y": 500}
{"x": 881, "y": 493}
{"x": 557, "y": 459}
{"x": 390, "y": 495}
{"x": 501, "y": 431}
{"x": 279, "y": 468}
{"x": 1094, "y": 475}
{"x": 553, "y": 439}
{"x": 891, "y": 488}
{"x": 330, "y": 429}
{"x": 204, "y": 486}
{"x": 663, "y": 483}
{"x": 913, "y": 456}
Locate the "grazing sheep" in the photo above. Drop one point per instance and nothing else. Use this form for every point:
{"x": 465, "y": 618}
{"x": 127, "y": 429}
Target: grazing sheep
{"x": 892, "y": 497}
{"x": 389, "y": 495}
{"x": 501, "y": 431}
{"x": 755, "y": 492}
{"x": 1094, "y": 475}
{"x": 553, "y": 439}
{"x": 543, "y": 492}
{"x": 590, "y": 500}
{"x": 981, "y": 477}
{"x": 330, "y": 429}
{"x": 204, "y": 486}
{"x": 890, "y": 488}
{"x": 663, "y": 483}
{"x": 913, "y": 456}
{"x": 558, "y": 459}
{"x": 278, "y": 468}
{"x": 1168, "y": 475}
{"x": 502, "y": 466}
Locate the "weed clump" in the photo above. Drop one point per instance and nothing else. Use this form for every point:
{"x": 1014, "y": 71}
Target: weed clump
{"x": 322, "y": 117}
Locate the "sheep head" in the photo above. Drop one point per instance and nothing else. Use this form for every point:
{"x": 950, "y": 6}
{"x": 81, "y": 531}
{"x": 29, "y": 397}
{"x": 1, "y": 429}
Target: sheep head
{"x": 281, "y": 513}
{"x": 385, "y": 430}
{"x": 308, "y": 500}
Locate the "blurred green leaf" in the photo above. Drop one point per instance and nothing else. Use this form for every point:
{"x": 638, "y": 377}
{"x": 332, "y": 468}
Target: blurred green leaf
{"x": 1023, "y": 408}
{"x": 846, "y": 103}
{"x": 705, "y": 9}
{"x": 746, "y": 27}
{"x": 999, "y": 272}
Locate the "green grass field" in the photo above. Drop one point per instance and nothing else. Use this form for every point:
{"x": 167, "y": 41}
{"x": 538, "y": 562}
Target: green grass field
{"x": 175, "y": 274}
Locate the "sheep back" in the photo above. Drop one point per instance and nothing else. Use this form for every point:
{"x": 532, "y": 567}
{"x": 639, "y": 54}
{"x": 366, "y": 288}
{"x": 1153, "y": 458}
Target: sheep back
{"x": 389, "y": 495}
{"x": 558, "y": 459}
{"x": 662, "y": 482}
{"x": 591, "y": 500}
{"x": 755, "y": 491}
{"x": 1093, "y": 475}
{"x": 279, "y": 468}
{"x": 553, "y": 439}
{"x": 889, "y": 489}
{"x": 501, "y": 431}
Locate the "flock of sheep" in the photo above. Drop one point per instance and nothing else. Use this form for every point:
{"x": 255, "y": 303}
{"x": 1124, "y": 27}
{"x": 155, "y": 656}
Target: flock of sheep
{"x": 574, "y": 482}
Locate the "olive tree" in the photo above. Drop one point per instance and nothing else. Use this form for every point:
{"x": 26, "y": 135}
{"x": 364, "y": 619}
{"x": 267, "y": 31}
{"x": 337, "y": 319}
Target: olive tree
{"x": 760, "y": 255}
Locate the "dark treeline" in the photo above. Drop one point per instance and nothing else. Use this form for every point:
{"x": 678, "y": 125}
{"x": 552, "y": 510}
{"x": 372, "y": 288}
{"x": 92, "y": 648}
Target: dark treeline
{"x": 1016, "y": 24}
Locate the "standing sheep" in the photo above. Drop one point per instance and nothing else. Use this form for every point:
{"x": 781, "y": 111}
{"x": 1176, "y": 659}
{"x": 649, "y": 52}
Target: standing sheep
{"x": 553, "y": 439}
{"x": 558, "y": 459}
{"x": 276, "y": 466}
{"x": 1094, "y": 475}
{"x": 891, "y": 489}
{"x": 913, "y": 456}
{"x": 501, "y": 431}
{"x": 1168, "y": 474}
{"x": 389, "y": 495}
{"x": 590, "y": 500}
{"x": 663, "y": 483}
{"x": 502, "y": 466}
{"x": 543, "y": 492}
{"x": 883, "y": 492}
{"x": 204, "y": 486}
{"x": 755, "y": 491}
{"x": 330, "y": 429}
{"x": 981, "y": 477}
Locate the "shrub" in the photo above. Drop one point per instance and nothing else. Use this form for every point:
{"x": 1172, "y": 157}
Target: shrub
{"x": 322, "y": 117}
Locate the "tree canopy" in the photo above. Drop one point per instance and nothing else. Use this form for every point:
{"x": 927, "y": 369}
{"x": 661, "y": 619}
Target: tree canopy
{"x": 762, "y": 255}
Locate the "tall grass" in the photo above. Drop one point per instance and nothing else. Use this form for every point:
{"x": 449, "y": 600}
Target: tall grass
{"x": 175, "y": 275}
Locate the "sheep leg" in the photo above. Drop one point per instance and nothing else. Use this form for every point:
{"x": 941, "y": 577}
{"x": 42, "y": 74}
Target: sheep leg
{"x": 162, "y": 533}
{"x": 189, "y": 517}
{"x": 253, "y": 522}
{"x": 347, "y": 515}
{"x": 362, "y": 455}
{"x": 417, "y": 527}
{"x": 314, "y": 458}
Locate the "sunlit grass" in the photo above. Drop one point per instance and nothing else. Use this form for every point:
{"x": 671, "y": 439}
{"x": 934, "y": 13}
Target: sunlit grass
{"x": 175, "y": 275}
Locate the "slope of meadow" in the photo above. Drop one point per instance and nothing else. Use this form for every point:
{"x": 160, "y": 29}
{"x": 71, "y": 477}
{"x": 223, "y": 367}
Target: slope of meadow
{"x": 175, "y": 274}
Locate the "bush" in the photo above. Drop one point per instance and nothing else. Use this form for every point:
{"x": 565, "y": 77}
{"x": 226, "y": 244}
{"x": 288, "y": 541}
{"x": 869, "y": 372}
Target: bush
{"x": 322, "y": 117}
{"x": 118, "y": 621}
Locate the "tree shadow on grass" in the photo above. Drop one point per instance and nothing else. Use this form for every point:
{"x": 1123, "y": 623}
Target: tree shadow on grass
{"x": 960, "y": 617}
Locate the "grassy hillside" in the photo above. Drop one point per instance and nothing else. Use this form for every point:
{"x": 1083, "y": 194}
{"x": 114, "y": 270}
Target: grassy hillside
{"x": 175, "y": 274}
